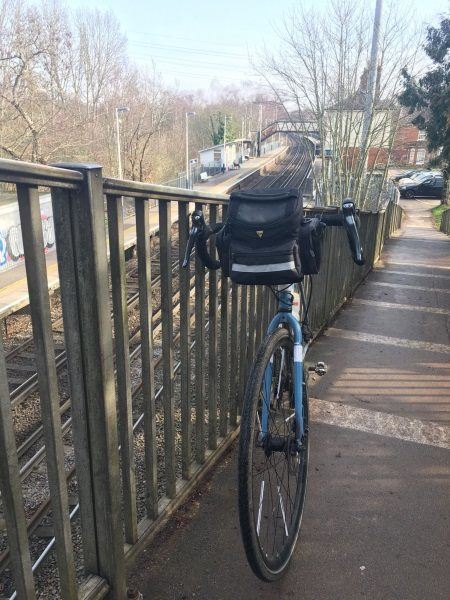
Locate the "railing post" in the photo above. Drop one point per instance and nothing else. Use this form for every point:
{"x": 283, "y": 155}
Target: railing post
{"x": 87, "y": 222}
{"x": 30, "y": 220}
{"x": 10, "y": 487}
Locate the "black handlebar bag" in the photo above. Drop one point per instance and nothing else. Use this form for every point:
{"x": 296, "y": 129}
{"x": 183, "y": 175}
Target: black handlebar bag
{"x": 310, "y": 245}
{"x": 259, "y": 244}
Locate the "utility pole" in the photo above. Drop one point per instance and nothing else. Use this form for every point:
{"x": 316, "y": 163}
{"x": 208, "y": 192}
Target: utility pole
{"x": 371, "y": 83}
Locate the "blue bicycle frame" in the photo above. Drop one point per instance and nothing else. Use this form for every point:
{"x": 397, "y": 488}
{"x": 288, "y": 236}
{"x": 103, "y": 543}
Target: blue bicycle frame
{"x": 285, "y": 316}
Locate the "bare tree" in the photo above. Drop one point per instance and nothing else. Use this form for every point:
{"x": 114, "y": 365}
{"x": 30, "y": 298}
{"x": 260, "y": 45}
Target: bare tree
{"x": 100, "y": 57}
{"x": 149, "y": 117}
{"x": 21, "y": 52}
{"x": 321, "y": 72}
{"x": 64, "y": 73}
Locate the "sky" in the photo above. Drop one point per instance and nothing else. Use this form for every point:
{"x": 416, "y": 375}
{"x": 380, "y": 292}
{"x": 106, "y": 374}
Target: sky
{"x": 196, "y": 45}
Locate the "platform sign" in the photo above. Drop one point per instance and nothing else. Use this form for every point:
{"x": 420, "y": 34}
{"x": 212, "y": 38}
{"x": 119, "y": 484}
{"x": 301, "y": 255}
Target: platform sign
{"x": 11, "y": 244}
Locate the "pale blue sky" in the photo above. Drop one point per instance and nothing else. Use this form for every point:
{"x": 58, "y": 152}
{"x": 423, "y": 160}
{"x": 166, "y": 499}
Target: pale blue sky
{"x": 194, "y": 43}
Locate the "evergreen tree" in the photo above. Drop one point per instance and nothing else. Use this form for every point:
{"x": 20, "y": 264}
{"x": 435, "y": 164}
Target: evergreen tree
{"x": 429, "y": 96}
{"x": 217, "y": 123}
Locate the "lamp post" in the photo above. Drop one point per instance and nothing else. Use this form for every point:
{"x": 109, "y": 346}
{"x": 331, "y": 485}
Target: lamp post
{"x": 121, "y": 109}
{"x": 188, "y": 178}
{"x": 225, "y": 142}
{"x": 260, "y": 129}
{"x": 242, "y": 142}
{"x": 259, "y": 132}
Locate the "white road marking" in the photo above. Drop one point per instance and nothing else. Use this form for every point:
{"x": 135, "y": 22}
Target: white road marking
{"x": 419, "y": 288}
{"x": 411, "y": 273}
{"x": 261, "y": 499}
{"x": 380, "y": 423}
{"x": 385, "y": 339}
{"x": 282, "y": 512}
{"x": 416, "y": 264}
{"x": 381, "y": 304}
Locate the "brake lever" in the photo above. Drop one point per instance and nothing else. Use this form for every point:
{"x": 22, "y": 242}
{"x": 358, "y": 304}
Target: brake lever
{"x": 349, "y": 214}
{"x": 348, "y": 209}
{"x": 198, "y": 225}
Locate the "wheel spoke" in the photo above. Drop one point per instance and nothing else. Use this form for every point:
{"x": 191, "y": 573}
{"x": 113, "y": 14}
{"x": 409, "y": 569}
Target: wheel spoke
{"x": 282, "y": 512}
{"x": 261, "y": 500}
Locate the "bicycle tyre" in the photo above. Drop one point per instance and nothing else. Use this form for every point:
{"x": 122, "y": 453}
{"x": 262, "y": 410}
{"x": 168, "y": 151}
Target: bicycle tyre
{"x": 250, "y": 504}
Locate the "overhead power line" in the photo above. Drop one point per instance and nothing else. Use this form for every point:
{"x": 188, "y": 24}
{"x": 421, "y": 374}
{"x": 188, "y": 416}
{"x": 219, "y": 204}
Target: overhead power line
{"x": 192, "y": 63}
{"x": 184, "y": 49}
{"x": 184, "y": 38}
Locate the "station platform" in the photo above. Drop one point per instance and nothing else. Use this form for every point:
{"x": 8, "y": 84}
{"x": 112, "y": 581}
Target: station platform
{"x": 13, "y": 283}
{"x": 223, "y": 184}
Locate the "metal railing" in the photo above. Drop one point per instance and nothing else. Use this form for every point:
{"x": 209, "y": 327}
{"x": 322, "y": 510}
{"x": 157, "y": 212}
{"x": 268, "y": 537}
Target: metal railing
{"x": 181, "y": 181}
{"x": 148, "y": 421}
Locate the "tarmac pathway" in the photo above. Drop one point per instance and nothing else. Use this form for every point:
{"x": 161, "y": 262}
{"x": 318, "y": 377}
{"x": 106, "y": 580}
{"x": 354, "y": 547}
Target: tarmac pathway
{"x": 376, "y": 522}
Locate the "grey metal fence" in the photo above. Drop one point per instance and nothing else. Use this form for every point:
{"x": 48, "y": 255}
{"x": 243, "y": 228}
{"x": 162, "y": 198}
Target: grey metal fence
{"x": 155, "y": 390}
{"x": 181, "y": 181}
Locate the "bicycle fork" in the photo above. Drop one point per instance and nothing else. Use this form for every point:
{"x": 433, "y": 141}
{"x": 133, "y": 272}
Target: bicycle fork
{"x": 285, "y": 316}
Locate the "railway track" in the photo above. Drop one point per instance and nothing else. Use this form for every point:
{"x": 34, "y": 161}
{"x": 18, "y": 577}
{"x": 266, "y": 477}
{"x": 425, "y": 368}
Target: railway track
{"x": 23, "y": 381}
{"x": 295, "y": 169}
{"x": 22, "y": 360}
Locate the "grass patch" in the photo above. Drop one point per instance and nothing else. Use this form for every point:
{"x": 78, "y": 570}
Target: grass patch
{"x": 437, "y": 213}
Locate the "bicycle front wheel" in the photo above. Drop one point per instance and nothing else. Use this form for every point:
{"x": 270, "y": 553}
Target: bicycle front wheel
{"x": 272, "y": 466}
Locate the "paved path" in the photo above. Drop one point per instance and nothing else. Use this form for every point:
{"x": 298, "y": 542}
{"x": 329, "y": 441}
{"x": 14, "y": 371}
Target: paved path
{"x": 376, "y": 524}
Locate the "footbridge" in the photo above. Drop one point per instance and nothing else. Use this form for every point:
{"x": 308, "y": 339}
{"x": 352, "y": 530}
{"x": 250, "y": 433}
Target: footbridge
{"x": 140, "y": 371}
{"x": 308, "y": 129}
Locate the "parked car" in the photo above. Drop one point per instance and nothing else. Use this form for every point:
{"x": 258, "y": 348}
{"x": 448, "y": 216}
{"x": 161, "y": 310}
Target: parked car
{"x": 425, "y": 187}
{"x": 420, "y": 176}
{"x": 406, "y": 174}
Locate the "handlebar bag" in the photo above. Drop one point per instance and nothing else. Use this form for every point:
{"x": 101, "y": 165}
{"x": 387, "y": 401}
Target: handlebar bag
{"x": 310, "y": 245}
{"x": 259, "y": 244}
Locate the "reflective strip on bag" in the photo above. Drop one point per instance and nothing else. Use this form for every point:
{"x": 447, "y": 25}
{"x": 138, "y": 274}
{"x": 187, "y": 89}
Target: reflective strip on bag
{"x": 286, "y": 266}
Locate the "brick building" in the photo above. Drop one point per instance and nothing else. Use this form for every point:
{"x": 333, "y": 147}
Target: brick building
{"x": 410, "y": 146}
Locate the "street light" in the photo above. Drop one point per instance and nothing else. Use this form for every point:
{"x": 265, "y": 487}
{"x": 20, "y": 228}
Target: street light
{"x": 260, "y": 129}
{"x": 225, "y": 142}
{"x": 188, "y": 175}
{"x": 120, "y": 109}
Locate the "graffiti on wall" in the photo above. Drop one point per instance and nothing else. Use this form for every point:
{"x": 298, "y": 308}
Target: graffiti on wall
{"x": 11, "y": 243}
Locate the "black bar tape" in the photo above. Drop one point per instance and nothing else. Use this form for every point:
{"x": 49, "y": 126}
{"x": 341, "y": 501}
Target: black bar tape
{"x": 332, "y": 220}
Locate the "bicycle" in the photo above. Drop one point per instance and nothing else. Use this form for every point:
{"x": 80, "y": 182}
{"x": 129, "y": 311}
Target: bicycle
{"x": 274, "y": 426}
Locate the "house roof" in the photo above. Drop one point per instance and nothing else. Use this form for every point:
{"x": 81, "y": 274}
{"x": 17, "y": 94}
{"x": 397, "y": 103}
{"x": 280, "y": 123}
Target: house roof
{"x": 240, "y": 140}
{"x": 357, "y": 100}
